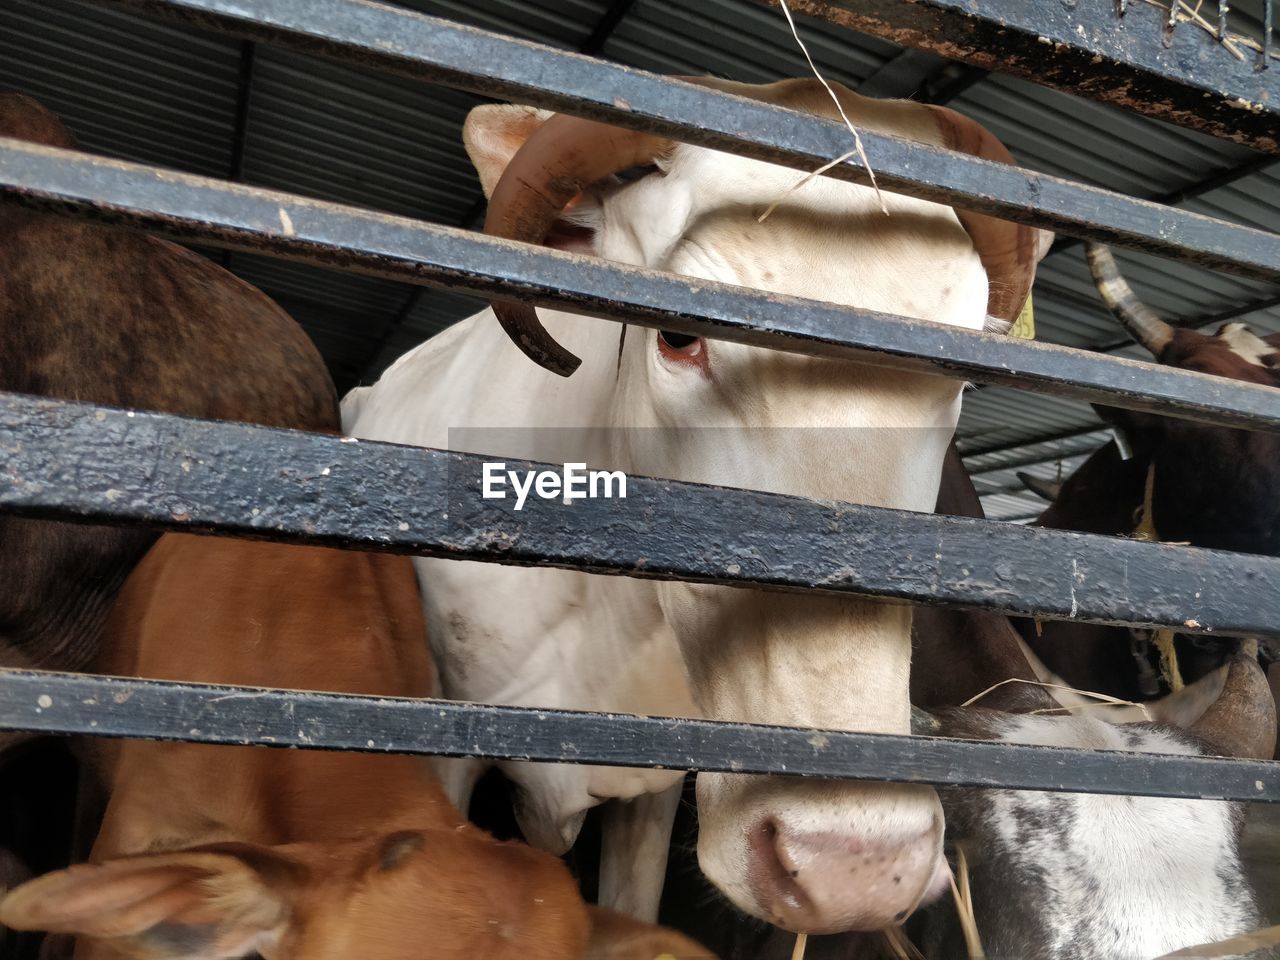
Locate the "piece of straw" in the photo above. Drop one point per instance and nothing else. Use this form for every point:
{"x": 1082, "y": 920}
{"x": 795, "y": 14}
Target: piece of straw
{"x": 798, "y": 952}
{"x": 1104, "y": 700}
{"x": 857, "y": 138}
{"x": 900, "y": 945}
{"x": 964, "y": 908}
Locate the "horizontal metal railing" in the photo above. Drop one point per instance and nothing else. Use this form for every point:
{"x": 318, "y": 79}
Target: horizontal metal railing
{"x": 1125, "y": 54}
{"x": 78, "y": 461}
{"x": 75, "y": 461}
{"x": 404, "y": 42}
{"x": 278, "y": 224}
{"x": 69, "y": 703}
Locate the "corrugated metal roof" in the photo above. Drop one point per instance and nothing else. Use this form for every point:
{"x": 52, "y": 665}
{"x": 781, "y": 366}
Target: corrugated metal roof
{"x": 165, "y": 94}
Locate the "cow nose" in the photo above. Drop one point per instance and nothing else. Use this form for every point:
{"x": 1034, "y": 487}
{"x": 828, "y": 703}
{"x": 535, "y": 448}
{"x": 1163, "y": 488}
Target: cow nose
{"x": 829, "y": 882}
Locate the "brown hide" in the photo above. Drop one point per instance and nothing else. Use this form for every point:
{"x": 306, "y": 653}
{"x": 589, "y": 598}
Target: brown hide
{"x": 299, "y": 855}
{"x": 956, "y": 654}
{"x": 94, "y": 314}
{"x": 1215, "y": 487}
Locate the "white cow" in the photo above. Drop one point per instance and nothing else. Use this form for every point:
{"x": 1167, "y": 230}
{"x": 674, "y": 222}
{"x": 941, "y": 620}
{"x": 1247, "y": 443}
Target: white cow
{"x": 808, "y": 855}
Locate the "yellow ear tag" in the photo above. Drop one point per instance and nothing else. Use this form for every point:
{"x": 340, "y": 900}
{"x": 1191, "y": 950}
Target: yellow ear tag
{"x": 1025, "y": 326}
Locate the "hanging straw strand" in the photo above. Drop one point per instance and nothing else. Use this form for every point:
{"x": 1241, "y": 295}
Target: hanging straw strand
{"x": 857, "y": 138}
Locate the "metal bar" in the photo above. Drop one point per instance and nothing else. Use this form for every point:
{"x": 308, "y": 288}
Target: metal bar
{"x": 95, "y": 464}
{"x": 1036, "y": 459}
{"x": 1203, "y": 320}
{"x": 943, "y": 90}
{"x": 1224, "y": 177}
{"x": 1268, "y": 34}
{"x": 1005, "y": 447}
{"x": 187, "y": 207}
{"x": 244, "y": 107}
{"x": 606, "y": 26}
{"x": 403, "y": 42}
{"x": 69, "y": 703}
{"x": 904, "y": 75}
{"x": 1083, "y": 47}
{"x": 240, "y": 132}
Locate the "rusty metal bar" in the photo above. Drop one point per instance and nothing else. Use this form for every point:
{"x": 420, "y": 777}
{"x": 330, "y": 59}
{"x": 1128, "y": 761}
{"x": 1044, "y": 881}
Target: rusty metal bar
{"x": 410, "y": 44}
{"x": 95, "y": 464}
{"x": 1087, "y": 48}
{"x": 262, "y": 221}
{"x": 69, "y": 703}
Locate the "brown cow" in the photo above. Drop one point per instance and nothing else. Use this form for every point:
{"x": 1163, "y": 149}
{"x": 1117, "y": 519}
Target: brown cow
{"x": 221, "y": 852}
{"x": 1213, "y": 487}
{"x": 96, "y": 314}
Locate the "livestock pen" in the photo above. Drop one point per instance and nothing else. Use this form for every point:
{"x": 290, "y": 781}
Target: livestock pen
{"x": 88, "y": 463}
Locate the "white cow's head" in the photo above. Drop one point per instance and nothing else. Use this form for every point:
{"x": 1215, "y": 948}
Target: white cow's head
{"x": 812, "y": 856}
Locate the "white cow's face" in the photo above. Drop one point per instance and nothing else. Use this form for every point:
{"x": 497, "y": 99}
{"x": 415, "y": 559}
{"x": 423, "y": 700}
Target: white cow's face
{"x": 809, "y": 856}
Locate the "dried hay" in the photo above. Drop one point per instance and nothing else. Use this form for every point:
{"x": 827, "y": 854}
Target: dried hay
{"x": 857, "y": 138}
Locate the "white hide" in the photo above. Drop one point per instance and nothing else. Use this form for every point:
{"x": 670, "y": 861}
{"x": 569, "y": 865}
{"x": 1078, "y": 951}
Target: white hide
{"x": 789, "y": 424}
{"x": 1071, "y": 875}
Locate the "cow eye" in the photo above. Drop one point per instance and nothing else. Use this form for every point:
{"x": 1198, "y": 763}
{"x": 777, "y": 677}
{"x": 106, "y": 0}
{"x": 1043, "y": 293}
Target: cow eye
{"x": 676, "y": 341}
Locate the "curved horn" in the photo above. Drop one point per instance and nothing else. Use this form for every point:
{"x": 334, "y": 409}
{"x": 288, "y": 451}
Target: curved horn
{"x": 1009, "y": 251}
{"x": 1140, "y": 320}
{"x": 1242, "y": 721}
{"x": 561, "y": 159}
{"x": 1044, "y": 489}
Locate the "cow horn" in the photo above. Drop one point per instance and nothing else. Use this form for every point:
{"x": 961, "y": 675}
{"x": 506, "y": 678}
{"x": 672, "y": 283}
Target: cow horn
{"x": 1136, "y": 317}
{"x": 1009, "y": 251}
{"x": 1044, "y": 489}
{"x": 1241, "y": 722}
{"x": 562, "y": 158}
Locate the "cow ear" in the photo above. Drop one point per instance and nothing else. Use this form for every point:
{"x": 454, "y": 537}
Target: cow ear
{"x": 193, "y": 905}
{"x": 1231, "y": 709}
{"x": 493, "y": 133}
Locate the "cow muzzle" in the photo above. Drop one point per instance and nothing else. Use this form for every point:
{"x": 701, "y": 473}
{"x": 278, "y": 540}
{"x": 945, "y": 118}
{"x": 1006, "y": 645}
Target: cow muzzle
{"x": 821, "y": 857}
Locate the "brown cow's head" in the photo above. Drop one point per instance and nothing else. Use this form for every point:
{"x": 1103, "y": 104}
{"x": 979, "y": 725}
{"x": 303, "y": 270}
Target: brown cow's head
{"x": 1214, "y": 486}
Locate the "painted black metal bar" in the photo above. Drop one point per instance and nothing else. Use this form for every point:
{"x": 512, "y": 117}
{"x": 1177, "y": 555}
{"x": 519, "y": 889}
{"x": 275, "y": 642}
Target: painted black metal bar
{"x": 1224, "y": 177}
{"x": 407, "y": 43}
{"x": 240, "y": 132}
{"x": 1209, "y": 320}
{"x": 1268, "y": 34}
{"x": 1035, "y": 459}
{"x": 605, "y": 27}
{"x": 260, "y": 221}
{"x": 1084, "y": 47}
{"x": 952, "y": 83}
{"x": 94, "y": 464}
{"x": 69, "y": 703}
{"x": 244, "y": 107}
{"x": 1070, "y": 434}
